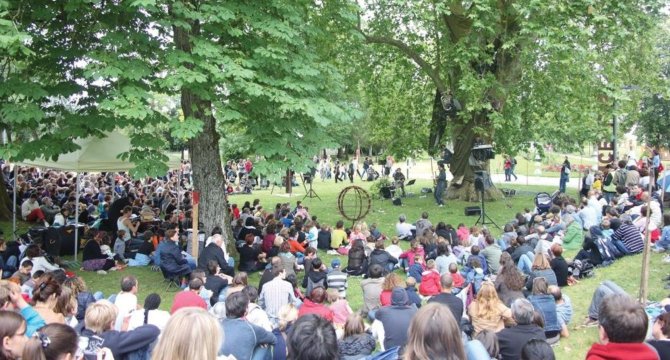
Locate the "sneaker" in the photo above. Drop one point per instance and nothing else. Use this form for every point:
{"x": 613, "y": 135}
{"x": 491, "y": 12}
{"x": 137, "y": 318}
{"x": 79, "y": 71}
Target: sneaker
{"x": 658, "y": 250}
{"x": 590, "y": 323}
{"x": 331, "y": 252}
{"x": 666, "y": 259}
{"x": 102, "y": 272}
{"x": 441, "y": 205}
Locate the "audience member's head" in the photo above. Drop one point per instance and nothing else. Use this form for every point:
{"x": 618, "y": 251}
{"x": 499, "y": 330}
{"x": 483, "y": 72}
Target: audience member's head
{"x": 434, "y": 334}
{"x": 13, "y": 334}
{"x": 236, "y": 305}
{"x": 52, "y": 342}
{"x": 376, "y": 271}
{"x": 537, "y": 349}
{"x": 522, "y": 311}
{"x": 621, "y": 320}
{"x": 312, "y": 337}
{"x": 446, "y": 282}
{"x": 100, "y": 316}
{"x": 354, "y": 325}
{"x": 661, "y": 327}
{"x": 201, "y": 341}
{"x": 489, "y": 339}
{"x": 129, "y": 284}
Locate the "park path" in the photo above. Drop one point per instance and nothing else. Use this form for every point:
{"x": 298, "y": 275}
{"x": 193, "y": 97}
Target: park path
{"x": 422, "y": 170}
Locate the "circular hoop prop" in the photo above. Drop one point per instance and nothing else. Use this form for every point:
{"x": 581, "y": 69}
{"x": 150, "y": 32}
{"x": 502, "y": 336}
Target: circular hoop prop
{"x": 354, "y": 203}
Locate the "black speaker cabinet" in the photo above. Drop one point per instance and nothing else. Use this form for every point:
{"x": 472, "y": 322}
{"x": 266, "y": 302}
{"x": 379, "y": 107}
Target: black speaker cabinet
{"x": 472, "y": 210}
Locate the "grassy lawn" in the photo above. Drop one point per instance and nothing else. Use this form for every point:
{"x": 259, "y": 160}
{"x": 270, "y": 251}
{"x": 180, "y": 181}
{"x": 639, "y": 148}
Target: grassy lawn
{"x": 625, "y": 272}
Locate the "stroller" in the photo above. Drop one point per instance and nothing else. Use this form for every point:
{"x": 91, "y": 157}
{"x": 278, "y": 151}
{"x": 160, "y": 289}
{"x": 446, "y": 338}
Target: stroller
{"x": 543, "y": 202}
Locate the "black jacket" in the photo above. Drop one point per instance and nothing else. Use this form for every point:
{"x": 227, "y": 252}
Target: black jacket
{"x": 172, "y": 260}
{"x": 121, "y": 343}
{"x": 357, "y": 264}
{"x": 214, "y": 252}
{"x": 512, "y": 340}
{"x": 560, "y": 267}
{"x": 381, "y": 257}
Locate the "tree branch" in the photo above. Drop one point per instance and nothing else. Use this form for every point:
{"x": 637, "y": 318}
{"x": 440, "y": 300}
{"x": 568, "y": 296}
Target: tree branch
{"x": 410, "y": 53}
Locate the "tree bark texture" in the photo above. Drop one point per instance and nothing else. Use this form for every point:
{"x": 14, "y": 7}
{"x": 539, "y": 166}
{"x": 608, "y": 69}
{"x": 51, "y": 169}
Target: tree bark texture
{"x": 207, "y": 171}
{"x": 6, "y": 206}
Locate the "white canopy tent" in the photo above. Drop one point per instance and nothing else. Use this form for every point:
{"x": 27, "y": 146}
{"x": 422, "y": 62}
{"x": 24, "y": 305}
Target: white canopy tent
{"x": 95, "y": 155}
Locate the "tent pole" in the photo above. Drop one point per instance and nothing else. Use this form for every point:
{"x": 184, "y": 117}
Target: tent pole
{"x": 76, "y": 223}
{"x": 14, "y": 206}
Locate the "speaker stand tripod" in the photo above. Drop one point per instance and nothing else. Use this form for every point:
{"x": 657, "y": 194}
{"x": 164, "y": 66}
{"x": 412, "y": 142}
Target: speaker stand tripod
{"x": 311, "y": 193}
{"x": 482, "y": 216}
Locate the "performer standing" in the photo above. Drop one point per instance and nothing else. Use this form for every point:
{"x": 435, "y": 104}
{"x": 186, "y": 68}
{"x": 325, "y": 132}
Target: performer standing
{"x": 441, "y": 184}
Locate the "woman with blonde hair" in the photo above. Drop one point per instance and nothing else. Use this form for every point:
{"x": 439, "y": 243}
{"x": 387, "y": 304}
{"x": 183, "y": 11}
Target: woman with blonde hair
{"x": 434, "y": 334}
{"x": 202, "y": 341}
{"x": 487, "y": 312}
{"x": 287, "y": 315}
{"x": 541, "y": 268}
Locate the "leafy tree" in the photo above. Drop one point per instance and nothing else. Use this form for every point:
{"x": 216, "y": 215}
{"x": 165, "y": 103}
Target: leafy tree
{"x": 519, "y": 71}
{"x": 653, "y": 126}
{"x": 253, "y": 66}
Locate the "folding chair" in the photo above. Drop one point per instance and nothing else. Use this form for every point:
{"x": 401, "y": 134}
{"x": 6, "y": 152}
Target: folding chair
{"x": 170, "y": 279}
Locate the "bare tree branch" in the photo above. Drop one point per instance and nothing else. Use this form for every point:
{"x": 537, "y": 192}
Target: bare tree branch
{"x": 410, "y": 53}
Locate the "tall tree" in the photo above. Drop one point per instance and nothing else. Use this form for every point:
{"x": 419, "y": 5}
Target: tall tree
{"x": 256, "y": 66}
{"x": 519, "y": 71}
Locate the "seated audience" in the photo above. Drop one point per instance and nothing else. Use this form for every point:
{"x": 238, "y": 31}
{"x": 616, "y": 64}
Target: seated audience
{"x": 242, "y": 339}
{"x": 512, "y": 340}
{"x": 487, "y": 312}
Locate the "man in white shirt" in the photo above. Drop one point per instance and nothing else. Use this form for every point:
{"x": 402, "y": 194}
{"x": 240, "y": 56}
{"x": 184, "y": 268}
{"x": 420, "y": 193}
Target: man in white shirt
{"x": 31, "y": 212}
{"x": 403, "y": 229}
{"x": 126, "y": 300}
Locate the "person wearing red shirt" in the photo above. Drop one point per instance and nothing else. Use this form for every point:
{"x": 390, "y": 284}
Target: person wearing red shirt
{"x": 623, "y": 327}
{"x": 190, "y": 297}
{"x": 314, "y": 305}
{"x": 430, "y": 280}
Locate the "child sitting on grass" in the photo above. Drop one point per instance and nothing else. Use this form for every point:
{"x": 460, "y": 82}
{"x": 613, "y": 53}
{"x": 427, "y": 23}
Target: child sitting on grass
{"x": 430, "y": 282}
{"x": 340, "y": 307}
{"x": 407, "y": 257}
{"x": 394, "y": 249}
{"x": 416, "y": 270}
{"x": 458, "y": 279}
{"x": 412, "y": 294}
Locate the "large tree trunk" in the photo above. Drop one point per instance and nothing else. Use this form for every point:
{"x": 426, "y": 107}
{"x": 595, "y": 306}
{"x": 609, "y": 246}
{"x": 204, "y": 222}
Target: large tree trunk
{"x": 462, "y": 186}
{"x": 6, "y": 205}
{"x": 208, "y": 177}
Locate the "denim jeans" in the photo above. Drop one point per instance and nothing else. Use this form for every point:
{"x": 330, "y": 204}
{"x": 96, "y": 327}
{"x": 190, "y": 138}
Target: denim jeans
{"x": 605, "y": 288}
{"x": 526, "y": 263}
{"x": 475, "y": 350}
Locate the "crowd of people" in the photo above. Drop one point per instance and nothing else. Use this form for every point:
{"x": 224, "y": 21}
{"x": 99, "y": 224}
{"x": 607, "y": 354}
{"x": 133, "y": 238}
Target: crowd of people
{"x": 450, "y": 293}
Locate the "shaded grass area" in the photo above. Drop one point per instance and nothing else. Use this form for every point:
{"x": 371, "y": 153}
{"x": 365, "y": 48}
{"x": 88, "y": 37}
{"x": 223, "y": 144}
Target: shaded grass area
{"x": 625, "y": 272}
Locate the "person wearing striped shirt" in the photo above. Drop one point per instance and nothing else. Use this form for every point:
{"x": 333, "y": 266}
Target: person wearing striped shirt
{"x": 629, "y": 235}
{"x": 337, "y": 279}
{"x": 275, "y": 294}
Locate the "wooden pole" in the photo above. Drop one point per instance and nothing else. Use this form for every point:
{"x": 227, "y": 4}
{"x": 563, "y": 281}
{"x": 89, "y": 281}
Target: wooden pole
{"x": 195, "y": 237}
{"x": 644, "y": 278}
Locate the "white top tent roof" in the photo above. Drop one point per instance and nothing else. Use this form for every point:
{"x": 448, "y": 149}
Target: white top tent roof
{"x": 95, "y": 155}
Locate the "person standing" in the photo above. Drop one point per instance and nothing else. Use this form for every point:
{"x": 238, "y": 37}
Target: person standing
{"x": 507, "y": 166}
{"x": 441, "y": 184}
{"x": 565, "y": 175}
{"x": 512, "y": 167}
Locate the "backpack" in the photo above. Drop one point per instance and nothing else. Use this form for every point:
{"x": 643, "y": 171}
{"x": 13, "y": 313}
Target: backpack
{"x": 619, "y": 177}
{"x": 581, "y": 269}
{"x": 604, "y": 250}
{"x": 311, "y": 284}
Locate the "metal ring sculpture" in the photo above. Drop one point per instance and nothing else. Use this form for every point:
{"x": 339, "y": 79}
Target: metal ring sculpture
{"x": 354, "y": 203}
